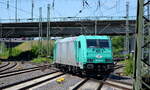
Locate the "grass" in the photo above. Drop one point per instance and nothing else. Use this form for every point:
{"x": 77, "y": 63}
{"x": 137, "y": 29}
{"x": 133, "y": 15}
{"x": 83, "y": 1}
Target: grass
{"x": 16, "y": 52}
{"x": 0, "y": 62}
{"x": 42, "y": 60}
{"x": 42, "y": 50}
{"x": 32, "y": 46}
{"x": 27, "y": 46}
{"x": 4, "y": 55}
{"x": 128, "y": 69}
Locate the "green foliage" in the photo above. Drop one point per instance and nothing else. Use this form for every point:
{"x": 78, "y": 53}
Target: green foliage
{"x": 0, "y": 62}
{"x": 35, "y": 50}
{"x": 38, "y": 50}
{"x": 16, "y": 52}
{"x": 42, "y": 50}
{"x": 42, "y": 60}
{"x": 128, "y": 69}
{"x": 117, "y": 44}
{"x": 4, "y": 54}
{"x": 3, "y": 47}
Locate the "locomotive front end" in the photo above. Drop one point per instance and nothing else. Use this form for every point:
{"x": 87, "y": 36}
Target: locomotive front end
{"x": 99, "y": 55}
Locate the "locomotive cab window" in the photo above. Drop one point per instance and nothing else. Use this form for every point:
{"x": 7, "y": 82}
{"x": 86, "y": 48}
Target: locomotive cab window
{"x": 97, "y": 43}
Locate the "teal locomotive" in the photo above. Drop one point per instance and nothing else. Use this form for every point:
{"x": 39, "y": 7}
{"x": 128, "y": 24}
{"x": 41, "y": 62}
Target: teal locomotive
{"x": 84, "y": 54}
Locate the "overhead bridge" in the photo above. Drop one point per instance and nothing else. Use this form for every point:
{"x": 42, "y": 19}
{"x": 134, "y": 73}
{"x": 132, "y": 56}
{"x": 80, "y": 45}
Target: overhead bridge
{"x": 71, "y": 27}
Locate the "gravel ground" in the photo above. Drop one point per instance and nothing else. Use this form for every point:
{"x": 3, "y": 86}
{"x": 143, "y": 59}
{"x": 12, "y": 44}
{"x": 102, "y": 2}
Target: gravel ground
{"x": 21, "y": 77}
{"x": 23, "y": 65}
{"x": 69, "y": 81}
{"x": 106, "y": 87}
{"x": 27, "y": 65}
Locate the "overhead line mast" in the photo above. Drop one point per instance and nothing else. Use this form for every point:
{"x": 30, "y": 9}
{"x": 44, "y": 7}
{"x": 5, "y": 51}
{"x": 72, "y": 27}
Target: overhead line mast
{"x": 16, "y": 11}
{"x": 48, "y": 30}
{"x": 142, "y": 58}
{"x": 32, "y": 10}
{"x": 40, "y": 30}
{"x": 127, "y": 28}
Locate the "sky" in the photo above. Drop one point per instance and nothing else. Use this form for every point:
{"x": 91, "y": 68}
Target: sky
{"x": 67, "y": 8}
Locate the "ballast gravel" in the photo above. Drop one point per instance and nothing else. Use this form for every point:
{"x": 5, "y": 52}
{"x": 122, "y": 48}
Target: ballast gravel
{"x": 20, "y": 66}
{"x": 21, "y": 77}
{"x": 68, "y": 82}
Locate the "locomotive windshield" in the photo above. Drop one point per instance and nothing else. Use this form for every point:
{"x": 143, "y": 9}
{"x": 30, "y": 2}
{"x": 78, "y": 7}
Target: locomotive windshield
{"x": 97, "y": 43}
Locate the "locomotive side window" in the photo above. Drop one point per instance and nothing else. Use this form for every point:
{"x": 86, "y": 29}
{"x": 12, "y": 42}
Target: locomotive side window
{"x": 79, "y": 45}
{"x": 97, "y": 43}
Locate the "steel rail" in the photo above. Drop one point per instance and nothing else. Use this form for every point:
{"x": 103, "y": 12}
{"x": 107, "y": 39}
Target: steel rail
{"x": 118, "y": 86}
{"x": 80, "y": 84}
{"x": 35, "y": 84}
{"x": 16, "y": 72}
{"x": 102, "y": 82}
{"x": 5, "y": 65}
{"x": 15, "y": 64}
{"x": 30, "y": 79}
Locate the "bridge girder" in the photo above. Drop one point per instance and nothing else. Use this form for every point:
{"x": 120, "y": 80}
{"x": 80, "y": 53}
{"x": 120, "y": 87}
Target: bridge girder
{"x": 67, "y": 28}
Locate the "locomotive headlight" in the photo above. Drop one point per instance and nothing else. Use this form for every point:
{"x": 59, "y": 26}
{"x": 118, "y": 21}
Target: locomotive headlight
{"x": 98, "y": 56}
{"x": 90, "y": 66}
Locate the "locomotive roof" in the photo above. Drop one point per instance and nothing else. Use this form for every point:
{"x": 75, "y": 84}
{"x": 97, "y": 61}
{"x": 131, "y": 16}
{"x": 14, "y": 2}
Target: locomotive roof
{"x": 69, "y": 39}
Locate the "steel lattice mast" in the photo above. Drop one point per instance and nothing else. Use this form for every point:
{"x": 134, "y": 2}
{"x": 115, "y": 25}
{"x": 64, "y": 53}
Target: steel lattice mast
{"x": 142, "y": 60}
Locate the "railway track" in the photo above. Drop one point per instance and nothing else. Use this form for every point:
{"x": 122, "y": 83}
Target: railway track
{"x": 96, "y": 84}
{"x": 79, "y": 84}
{"x": 16, "y": 72}
{"x": 118, "y": 84}
{"x": 29, "y": 83}
{"x": 89, "y": 84}
{"x": 85, "y": 83}
{"x": 5, "y": 65}
{"x": 21, "y": 71}
{"x": 9, "y": 66}
{"x": 118, "y": 66}
{"x": 93, "y": 84}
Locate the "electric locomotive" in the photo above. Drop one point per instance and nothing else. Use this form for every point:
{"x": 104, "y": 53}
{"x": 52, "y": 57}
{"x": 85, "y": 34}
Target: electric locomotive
{"x": 84, "y": 54}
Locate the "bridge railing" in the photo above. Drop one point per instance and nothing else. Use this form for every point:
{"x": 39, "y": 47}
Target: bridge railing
{"x": 67, "y": 19}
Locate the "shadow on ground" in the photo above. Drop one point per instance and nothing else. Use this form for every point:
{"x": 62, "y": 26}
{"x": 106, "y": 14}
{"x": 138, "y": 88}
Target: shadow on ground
{"x": 24, "y": 56}
{"x": 116, "y": 77}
